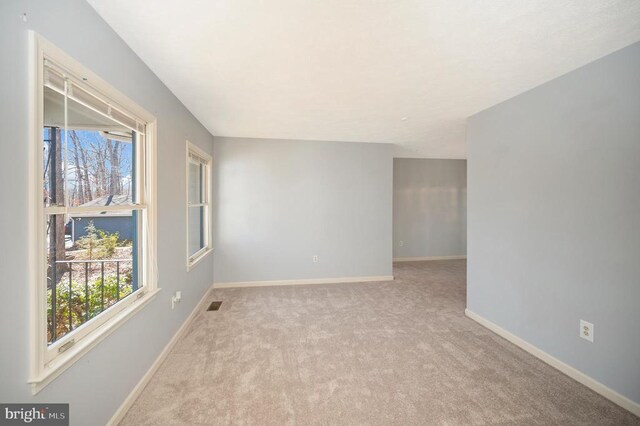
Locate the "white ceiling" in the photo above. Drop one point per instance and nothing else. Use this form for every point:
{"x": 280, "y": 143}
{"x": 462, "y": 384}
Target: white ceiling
{"x": 350, "y": 70}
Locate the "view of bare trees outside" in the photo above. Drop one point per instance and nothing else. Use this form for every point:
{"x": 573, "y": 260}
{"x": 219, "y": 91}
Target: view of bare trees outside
{"x": 90, "y": 265}
{"x": 98, "y": 166}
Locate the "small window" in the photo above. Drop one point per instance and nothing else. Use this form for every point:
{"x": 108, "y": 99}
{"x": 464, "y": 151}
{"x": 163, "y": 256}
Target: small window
{"x": 93, "y": 208}
{"x": 198, "y": 204}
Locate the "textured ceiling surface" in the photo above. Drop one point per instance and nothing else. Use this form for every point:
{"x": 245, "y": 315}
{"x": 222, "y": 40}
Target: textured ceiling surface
{"x": 407, "y": 72}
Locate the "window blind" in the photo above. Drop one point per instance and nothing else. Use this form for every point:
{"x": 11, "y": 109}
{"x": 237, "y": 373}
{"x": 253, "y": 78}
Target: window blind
{"x": 55, "y": 77}
{"x": 196, "y": 158}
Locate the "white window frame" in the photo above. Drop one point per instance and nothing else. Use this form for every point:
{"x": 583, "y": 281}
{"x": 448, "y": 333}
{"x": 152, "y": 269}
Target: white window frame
{"x": 205, "y": 187}
{"x": 49, "y": 361}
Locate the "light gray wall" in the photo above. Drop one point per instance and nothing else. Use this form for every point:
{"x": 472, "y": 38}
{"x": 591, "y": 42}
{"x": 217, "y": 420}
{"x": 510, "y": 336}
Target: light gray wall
{"x": 429, "y": 207}
{"x": 280, "y": 202}
{"x": 554, "y": 217}
{"x": 98, "y": 383}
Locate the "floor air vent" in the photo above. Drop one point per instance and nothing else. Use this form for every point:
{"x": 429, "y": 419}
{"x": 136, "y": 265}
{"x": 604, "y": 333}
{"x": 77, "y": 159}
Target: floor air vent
{"x": 214, "y": 306}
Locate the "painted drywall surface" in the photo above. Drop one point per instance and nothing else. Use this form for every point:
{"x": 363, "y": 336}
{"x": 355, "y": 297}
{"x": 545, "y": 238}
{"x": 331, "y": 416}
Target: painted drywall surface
{"x": 98, "y": 383}
{"x": 554, "y": 217}
{"x": 429, "y": 207}
{"x": 280, "y": 202}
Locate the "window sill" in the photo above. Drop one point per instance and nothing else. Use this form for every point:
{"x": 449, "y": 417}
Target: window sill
{"x": 48, "y": 373}
{"x": 193, "y": 261}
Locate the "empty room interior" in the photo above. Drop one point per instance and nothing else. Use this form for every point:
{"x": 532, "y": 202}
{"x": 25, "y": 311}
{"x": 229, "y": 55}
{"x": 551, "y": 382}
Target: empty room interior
{"x": 278, "y": 212}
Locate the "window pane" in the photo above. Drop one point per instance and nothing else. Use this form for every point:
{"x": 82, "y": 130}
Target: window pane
{"x": 90, "y": 266}
{"x": 195, "y": 183}
{"x": 102, "y": 168}
{"x": 98, "y": 168}
{"x": 196, "y": 229}
{"x": 101, "y": 163}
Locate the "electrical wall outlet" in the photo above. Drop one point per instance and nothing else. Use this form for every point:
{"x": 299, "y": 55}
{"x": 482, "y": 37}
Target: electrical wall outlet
{"x": 316, "y": 258}
{"x": 176, "y": 299}
{"x": 586, "y": 330}
{"x": 401, "y": 243}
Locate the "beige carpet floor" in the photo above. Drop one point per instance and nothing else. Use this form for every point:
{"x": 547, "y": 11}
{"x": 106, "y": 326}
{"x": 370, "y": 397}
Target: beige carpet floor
{"x": 389, "y": 353}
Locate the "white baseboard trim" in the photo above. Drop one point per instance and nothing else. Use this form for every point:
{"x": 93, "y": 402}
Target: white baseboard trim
{"x": 137, "y": 390}
{"x": 418, "y": 259}
{"x": 301, "y": 282}
{"x": 570, "y": 371}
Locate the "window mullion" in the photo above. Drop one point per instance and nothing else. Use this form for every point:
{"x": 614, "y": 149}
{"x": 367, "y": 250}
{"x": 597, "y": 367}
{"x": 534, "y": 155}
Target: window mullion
{"x": 97, "y": 209}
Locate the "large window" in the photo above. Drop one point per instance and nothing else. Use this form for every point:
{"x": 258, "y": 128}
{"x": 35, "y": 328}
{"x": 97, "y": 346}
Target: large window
{"x": 93, "y": 230}
{"x": 198, "y": 199}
